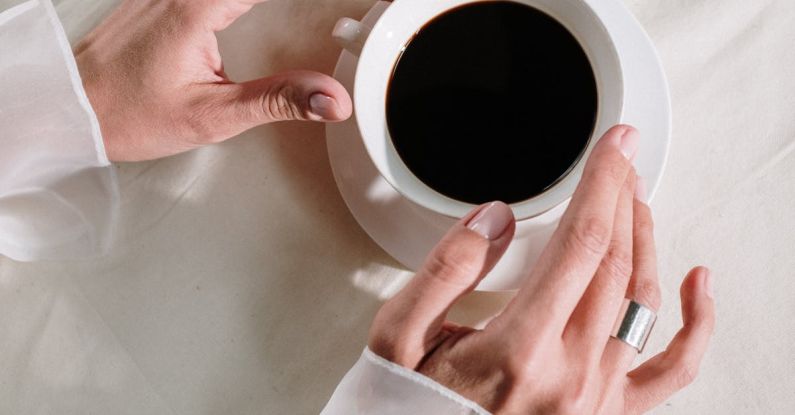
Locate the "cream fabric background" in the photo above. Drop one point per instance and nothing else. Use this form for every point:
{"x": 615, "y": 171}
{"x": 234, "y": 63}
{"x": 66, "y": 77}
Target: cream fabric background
{"x": 240, "y": 283}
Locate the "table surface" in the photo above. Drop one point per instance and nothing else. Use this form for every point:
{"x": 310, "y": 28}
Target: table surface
{"x": 241, "y": 284}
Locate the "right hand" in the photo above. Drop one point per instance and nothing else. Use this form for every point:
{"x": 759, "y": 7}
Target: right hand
{"x": 550, "y": 350}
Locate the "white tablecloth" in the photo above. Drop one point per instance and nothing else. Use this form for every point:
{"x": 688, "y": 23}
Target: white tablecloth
{"x": 240, "y": 283}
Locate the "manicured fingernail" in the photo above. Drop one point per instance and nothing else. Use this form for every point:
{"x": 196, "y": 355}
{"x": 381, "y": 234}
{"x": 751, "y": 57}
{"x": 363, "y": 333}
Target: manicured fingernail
{"x": 641, "y": 192}
{"x": 629, "y": 143}
{"x": 708, "y": 283}
{"x": 492, "y": 220}
{"x": 323, "y": 106}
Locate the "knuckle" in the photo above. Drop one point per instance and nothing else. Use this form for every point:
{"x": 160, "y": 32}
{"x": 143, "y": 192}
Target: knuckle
{"x": 451, "y": 261}
{"x": 574, "y": 402}
{"x": 647, "y": 292}
{"x": 611, "y": 172}
{"x": 519, "y": 367}
{"x": 282, "y": 102}
{"x": 702, "y": 323}
{"x": 523, "y": 361}
{"x": 618, "y": 265}
{"x": 591, "y": 234}
{"x": 685, "y": 373}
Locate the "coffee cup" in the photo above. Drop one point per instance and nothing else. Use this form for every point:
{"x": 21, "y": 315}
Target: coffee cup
{"x": 379, "y": 48}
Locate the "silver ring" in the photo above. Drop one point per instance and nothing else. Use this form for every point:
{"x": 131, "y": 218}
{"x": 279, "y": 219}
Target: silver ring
{"x": 634, "y": 324}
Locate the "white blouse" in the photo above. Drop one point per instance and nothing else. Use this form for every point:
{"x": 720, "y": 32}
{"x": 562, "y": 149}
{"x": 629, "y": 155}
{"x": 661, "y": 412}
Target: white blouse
{"x": 59, "y": 194}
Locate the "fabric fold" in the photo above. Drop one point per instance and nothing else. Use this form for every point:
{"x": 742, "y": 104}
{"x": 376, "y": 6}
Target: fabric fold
{"x": 58, "y": 192}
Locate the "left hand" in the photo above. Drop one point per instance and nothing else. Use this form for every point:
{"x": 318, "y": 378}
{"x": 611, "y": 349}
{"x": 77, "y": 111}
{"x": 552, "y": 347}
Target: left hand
{"x": 154, "y": 75}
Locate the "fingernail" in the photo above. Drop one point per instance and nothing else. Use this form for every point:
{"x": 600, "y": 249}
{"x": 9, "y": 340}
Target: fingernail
{"x": 492, "y": 220}
{"x": 708, "y": 283}
{"x": 323, "y": 106}
{"x": 629, "y": 143}
{"x": 641, "y": 190}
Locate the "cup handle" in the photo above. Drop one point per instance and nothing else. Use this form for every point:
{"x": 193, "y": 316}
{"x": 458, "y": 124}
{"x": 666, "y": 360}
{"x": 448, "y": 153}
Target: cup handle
{"x": 351, "y": 35}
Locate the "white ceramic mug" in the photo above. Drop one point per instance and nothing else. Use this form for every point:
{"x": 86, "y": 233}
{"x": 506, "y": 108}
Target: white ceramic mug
{"x": 379, "y": 47}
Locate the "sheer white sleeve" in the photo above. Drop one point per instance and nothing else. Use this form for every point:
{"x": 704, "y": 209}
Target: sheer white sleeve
{"x": 376, "y": 386}
{"x": 59, "y": 197}
{"x": 58, "y": 192}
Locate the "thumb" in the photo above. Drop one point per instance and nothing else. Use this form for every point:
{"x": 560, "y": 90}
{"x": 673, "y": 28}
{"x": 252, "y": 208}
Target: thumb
{"x": 295, "y": 95}
{"x": 410, "y": 325}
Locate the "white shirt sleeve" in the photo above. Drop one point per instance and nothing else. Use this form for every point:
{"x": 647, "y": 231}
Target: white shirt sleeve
{"x": 58, "y": 192}
{"x": 376, "y": 386}
{"x": 59, "y": 195}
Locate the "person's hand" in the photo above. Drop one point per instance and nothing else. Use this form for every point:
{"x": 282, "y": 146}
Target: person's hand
{"x": 155, "y": 78}
{"x": 550, "y": 350}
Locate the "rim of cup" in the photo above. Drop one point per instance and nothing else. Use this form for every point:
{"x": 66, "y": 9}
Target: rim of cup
{"x": 382, "y": 49}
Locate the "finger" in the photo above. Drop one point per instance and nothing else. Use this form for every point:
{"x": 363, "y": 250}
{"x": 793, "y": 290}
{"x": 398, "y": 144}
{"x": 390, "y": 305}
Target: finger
{"x": 575, "y": 250}
{"x": 660, "y": 377}
{"x": 644, "y": 287}
{"x": 409, "y": 325}
{"x": 296, "y": 95}
{"x": 590, "y": 324}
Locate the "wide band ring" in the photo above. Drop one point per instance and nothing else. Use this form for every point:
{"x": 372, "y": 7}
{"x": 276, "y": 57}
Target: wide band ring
{"x": 634, "y": 324}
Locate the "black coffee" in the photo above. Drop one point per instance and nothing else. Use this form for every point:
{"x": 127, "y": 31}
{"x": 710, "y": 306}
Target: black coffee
{"x": 492, "y": 101}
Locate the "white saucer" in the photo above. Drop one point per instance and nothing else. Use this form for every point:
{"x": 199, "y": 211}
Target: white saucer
{"x": 408, "y": 232}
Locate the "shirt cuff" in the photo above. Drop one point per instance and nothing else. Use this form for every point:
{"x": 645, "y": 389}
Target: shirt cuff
{"x": 376, "y": 386}
{"x": 58, "y": 192}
